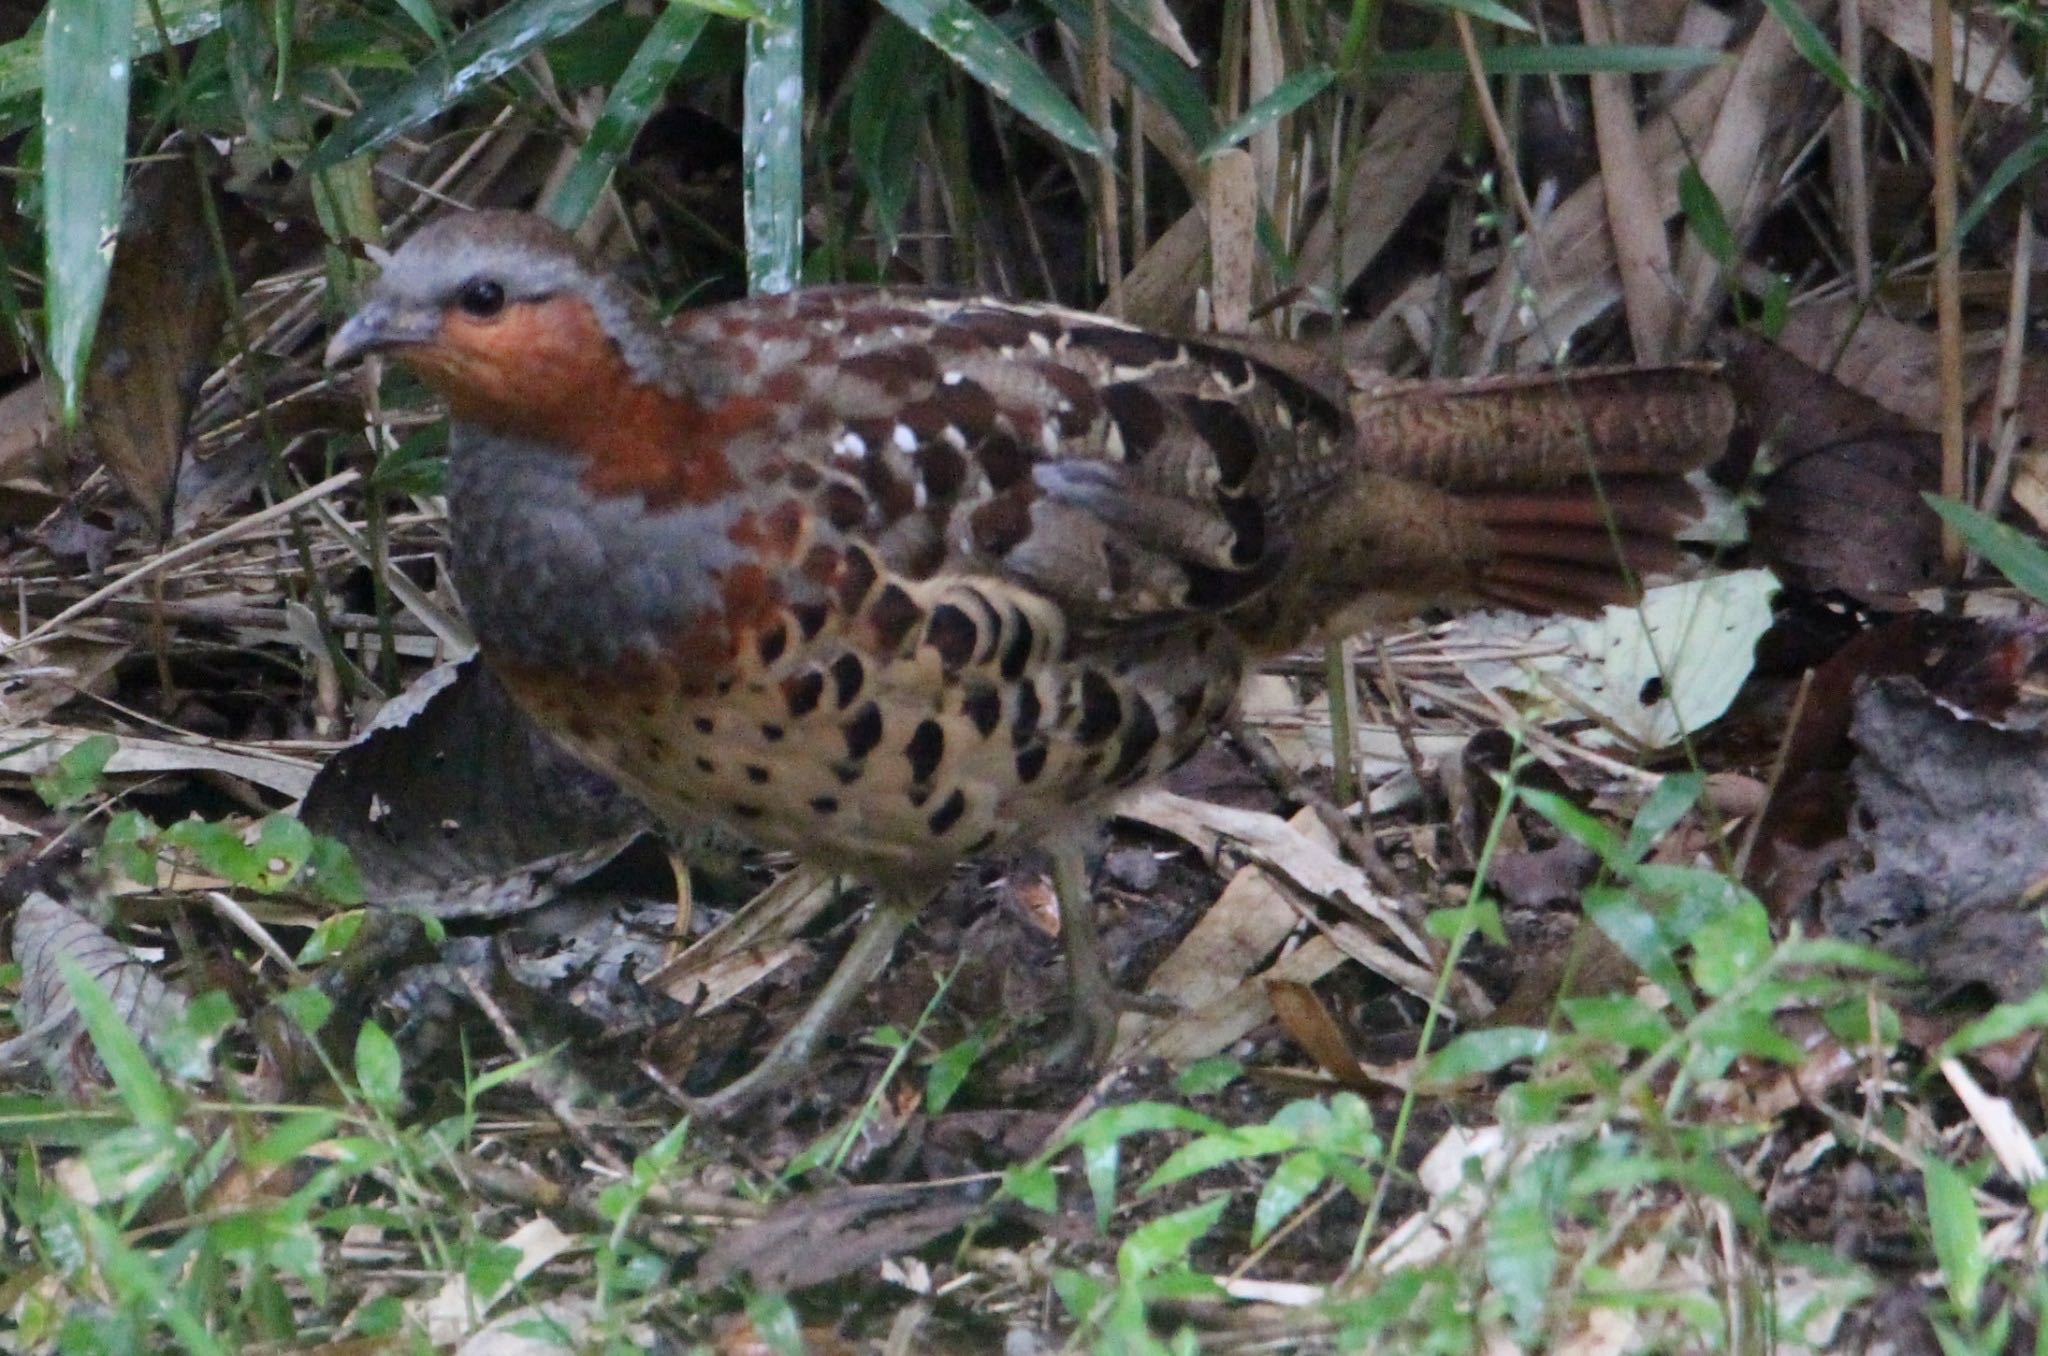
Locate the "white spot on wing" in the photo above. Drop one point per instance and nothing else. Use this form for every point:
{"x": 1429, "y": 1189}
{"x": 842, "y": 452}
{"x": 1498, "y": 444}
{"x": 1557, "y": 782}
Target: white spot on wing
{"x": 850, "y": 444}
{"x": 905, "y": 438}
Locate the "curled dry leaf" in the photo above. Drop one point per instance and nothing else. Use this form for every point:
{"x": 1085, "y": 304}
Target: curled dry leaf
{"x": 47, "y": 933}
{"x": 454, "y": 804}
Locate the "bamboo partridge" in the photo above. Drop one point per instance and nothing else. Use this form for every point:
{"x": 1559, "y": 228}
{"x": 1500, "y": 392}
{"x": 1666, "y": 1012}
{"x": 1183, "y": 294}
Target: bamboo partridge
{"x": 889, "y": 579}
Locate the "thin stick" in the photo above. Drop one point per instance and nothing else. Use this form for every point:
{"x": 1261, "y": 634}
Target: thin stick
{"x": 1948, "y": 291}
{"x": 191, "y": 550}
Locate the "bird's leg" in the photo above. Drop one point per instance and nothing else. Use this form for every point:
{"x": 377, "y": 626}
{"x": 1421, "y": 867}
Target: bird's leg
{"x": 1097, "y": 1002}
{"x": 858, "y": 968}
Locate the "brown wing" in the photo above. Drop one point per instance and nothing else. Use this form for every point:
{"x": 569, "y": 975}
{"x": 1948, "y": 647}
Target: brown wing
{"x": 1128, "y": 476}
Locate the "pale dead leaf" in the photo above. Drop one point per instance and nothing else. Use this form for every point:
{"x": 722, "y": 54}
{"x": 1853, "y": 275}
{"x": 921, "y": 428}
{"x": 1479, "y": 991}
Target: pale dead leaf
{"x": 284, "y": 773}
{"x": 1983, "y": 63}
{"x": 452, "y": 1312}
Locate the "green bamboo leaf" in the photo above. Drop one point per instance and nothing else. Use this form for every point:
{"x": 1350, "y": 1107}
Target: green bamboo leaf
{"x": 1163, "y": 77}
{"x": 1958, "y": 1235}
{"x": 86, "y": 55}
{"x": 979, "y": 47}
{"x": 772, "y": 147}
{"x": 449, "y": 76}
{"x": 21, "y": 61}
{"x": 1546, "y": 59}
{"x": 2003, "y": 176}
{"x": 2020, "y": 557}
{"x": 626, "y": 110}
{"x": 1281, "y": 100}
{"x": 1811, "y": 43}
{"x": 1492, "y": 11}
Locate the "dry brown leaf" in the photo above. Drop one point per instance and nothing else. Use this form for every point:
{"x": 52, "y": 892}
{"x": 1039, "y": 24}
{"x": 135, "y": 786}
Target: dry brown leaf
{"x": 1312, "y": 1028}
{"x": 164, "y": 314}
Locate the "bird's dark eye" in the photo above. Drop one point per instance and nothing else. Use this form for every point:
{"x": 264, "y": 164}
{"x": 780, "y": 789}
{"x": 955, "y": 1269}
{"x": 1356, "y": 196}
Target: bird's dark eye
{"x": 481, "y": 297}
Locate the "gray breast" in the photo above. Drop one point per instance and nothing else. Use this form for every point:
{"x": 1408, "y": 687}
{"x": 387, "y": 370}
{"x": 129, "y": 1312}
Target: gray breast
{"x": 554, "y": 576}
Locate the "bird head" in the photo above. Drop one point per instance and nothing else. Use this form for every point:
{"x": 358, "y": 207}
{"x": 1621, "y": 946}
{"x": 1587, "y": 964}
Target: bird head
{"x": 506, "y": 318}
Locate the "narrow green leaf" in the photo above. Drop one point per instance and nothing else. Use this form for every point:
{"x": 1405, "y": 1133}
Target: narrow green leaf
{"x": 1157, "y": 1244}
{"x": 772, "y": 147}
{"x": 1477, "y": 1052}
{"x": 86, "y": 61}
{"x": 1703, "y": 213}
{"x": 1163, "y": 76}
{"x": 148, "y": 1098}
{"x": 1492, "y": 11}
{"x": 1283, "y": 99}
{"x": 626, "y": 109}
{"x": 1546, "y": 59}
{"x": 888, "y": 108}
{"x": 1576, "y": 824}
{"x": 950, "y": 1070}
{"x": 76, "y": 774}
{"x": 1958, "y": 1233}
{"x": 1730, "y": 947}
{"x": 1296, "y": 1179}
{"x": 964, "y": 34}
{"x": 1811, "y": 43}
{"x": 2002, "y": 1023}
{"x": 1521, "y": 1240}
{"x": 379, "y": 1072}
{"x": 2003, "y": 176}
{"x": 1668, "y": 804}
{"x": 2018, "y": 556}
{"x": 447, "y": 77}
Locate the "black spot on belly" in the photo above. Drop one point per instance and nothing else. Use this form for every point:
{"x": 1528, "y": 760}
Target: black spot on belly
{"x": 927, "y": 746}
{"x": 705, "y": 765}
{"x": 746, "y": 811}
{"x": 893, "y": 614}
{"x": 856, "y": 577}
{"x": 848, "y": 674}
{"x": 757, "y": 774}
{"x": 704, "y": 725}
{"x": 983, "y": 705}
{"x": 1030, "y": 762}
{"x": 953, "y": 634}
{"x": 772, "y": 732}
{"x": 1029, "y": 710}
{"x": 772, "y": 642}
{"x": 949, "y": 812}
{"x": 825, "y": 805}
{"x": 1101, "y": 709}
{"x": 810, "y": 617}
{"x": 864, "y": 731}
{"x": 802, "y": 692}
{"x": 1017, "y": 649}
{"x": 1138, "y": 740}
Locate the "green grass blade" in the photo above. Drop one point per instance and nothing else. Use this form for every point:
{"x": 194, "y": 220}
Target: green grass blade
{"x": 143, "y": 1091}
{"x": 1811, "y": 43}
{"x": 772, "y": 147}
{"x": 626, "y": 110}
{"x": 1546, "y": 59}
{"x": 1152, "y": 68}
{"x": 980, "y": 49}
{"x": 2003, "y": 176}
{"x": 1281, "y": 100}
{"x": 2018, "y": 556}
{"x": 446, "y": 78}
{"x": 86, "y": 58}
{"x": 1492, "y": 11}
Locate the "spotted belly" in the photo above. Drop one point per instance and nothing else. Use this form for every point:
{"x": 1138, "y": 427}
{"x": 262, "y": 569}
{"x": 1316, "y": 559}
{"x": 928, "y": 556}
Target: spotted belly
{"x": 878, "y": 768}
